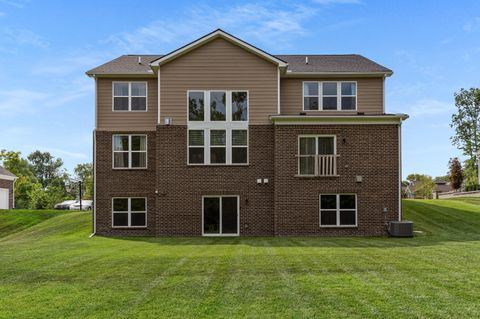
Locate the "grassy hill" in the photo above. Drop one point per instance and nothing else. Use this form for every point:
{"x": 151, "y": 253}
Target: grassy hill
{"x": 53, "y": 270}
{"x": 12, "y": 221}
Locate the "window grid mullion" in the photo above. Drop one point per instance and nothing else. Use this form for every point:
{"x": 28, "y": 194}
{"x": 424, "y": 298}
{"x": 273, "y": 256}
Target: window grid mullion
{"x": 320, "y": 96}
{"x": 206, "y": 153}
{"x": 338, "y": 210}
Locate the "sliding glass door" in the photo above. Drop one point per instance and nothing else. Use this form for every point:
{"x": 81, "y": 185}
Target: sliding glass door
{"x": 220, "y": 215}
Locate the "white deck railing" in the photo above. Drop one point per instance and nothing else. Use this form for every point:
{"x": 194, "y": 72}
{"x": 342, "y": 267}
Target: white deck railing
{"x": 325, "y": 165}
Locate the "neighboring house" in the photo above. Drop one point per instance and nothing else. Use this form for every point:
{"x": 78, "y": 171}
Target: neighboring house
{"x": 409, "y": 190}
{"x": 221, "y": 138}
{"x": 7, "y": 183}
{"x": 441, "y": 187}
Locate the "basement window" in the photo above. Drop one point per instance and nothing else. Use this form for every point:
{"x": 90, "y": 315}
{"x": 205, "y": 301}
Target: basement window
{"x": 338, "y": 210}
{"x": 129, "y": 212}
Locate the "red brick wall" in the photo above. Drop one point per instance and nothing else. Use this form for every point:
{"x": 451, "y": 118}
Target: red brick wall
{"x": 9, "y": 185}
{"x": 181, "y": 186}
{"x": 370, "y": 151}
{"x": 123, "y": 183}
{"x": 287, "y": 205}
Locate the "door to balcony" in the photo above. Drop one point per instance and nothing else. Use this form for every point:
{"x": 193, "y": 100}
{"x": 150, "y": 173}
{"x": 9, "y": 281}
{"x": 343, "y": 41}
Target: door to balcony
{"x": 220, "y": 215}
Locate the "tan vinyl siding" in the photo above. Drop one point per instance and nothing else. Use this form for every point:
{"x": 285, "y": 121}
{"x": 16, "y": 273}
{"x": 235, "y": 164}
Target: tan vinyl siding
{"x": 218, "y": 65}
{"x": 125, "y": 121}
{"x": 369, "y": 95}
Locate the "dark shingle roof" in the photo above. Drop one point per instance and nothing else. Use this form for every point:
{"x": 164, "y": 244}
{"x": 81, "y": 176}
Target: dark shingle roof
{"x": 350, "y": 63}
{"x": 3, "y": 171}
{"x": 332, "y": 63}
{"x": 126, "y": 64}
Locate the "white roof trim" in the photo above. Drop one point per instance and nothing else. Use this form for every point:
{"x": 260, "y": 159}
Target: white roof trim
{"x": 8, "y": 177}
{"x": 211, "y": 36}
{"x": 338, "y": 120}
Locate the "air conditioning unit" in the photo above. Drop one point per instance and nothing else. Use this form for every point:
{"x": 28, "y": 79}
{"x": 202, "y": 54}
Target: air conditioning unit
{"x": 402, "y": 228}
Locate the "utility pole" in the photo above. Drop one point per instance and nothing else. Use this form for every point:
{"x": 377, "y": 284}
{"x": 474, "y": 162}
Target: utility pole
{"x": 80, "y": 193}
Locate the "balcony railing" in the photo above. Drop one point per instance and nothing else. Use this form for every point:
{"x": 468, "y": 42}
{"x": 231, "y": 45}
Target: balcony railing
{"x": 323, "y": 165}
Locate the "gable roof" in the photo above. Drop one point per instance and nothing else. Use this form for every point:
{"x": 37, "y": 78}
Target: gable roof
{"x": 5, "y": 174}
{"x": 219, "y": 33}
{"x": 346, "y": 64}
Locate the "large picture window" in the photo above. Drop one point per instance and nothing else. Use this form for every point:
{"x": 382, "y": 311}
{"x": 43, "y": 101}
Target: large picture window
{"x": 317, "y": 155}
{"x": 218, "y": 134}
{"x": 129, "y": 212}
{"x": 129, "y": 151}
{"x": 329, "y": 96}
{"x": 338, "y": 210}
{"x": 129, "y": 96}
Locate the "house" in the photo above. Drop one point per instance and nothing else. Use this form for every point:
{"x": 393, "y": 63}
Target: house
{"x": 7, "y": 183}
{"x": 441, "y": 187}
{"x": 220, "y": 138}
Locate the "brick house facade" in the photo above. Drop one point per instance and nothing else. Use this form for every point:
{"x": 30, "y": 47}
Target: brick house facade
{"x": 175, "y": 156}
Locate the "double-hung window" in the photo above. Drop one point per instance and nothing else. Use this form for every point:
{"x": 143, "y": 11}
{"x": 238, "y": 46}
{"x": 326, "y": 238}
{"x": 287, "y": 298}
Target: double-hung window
{"x": 338, "y": 210}
{"x": 129, "y": 212}
{"x": 329, "y": 96}
{"x": 129, "y": 151}
{"x": 130, "y": 96}
{"x": 218, "y": 127}
{"x": 317, "y": 155}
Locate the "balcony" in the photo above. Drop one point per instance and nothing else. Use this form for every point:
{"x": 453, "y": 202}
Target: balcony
{"x": 317, "y": 165}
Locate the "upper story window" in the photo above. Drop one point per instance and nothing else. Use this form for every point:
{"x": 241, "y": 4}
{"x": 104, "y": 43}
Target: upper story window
{"x": 317, "y": 155}
{"x": 329, "y": 96}
{"x": 217, "y": 127}
{"x": 130, "y": 96}
{"x": 129, "y": 151}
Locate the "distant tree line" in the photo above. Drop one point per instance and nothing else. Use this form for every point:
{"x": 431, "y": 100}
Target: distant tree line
{"x": 43, "y": 181}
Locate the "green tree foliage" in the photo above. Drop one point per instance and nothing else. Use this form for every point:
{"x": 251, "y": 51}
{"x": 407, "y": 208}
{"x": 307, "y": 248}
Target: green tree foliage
{"x": 456, "y": 173}
{"x": 424, "y": 185}
{"x": 40, "y": 180}
{"x": 46, "y": 168}
{"x": 84, "y": 173}
{"x": 466, "y": 122}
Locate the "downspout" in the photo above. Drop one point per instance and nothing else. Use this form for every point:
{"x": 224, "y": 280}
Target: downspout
{"x": 13, "y": 192}
{"x": 94, "y": 215}
{"x": 400, "y": 171}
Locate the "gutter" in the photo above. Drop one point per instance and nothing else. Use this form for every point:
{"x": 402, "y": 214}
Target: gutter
{"x": 337, "y": 119}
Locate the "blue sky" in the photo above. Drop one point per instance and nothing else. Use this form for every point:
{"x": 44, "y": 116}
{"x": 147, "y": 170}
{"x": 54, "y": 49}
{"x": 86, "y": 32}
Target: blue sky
{"x": 46, "y": 101}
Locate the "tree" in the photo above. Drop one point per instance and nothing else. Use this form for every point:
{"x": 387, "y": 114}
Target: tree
{"x": 423, "y": 185}
{"x": 46, "y": 168}
{"x": 84, "y": 173}
{"x": 466, "y": 122}
{"x": 26, "y": 181}
{"x": 456, "y": 173}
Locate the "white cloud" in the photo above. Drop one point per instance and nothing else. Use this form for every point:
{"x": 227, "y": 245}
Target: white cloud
{"x": 56, "y": 151}
{"x": 15, "y": 3}
{"x": 260, "y": 22}
{"x": 22, "y": 37}
{"x": 472, "y": 25}
{"x": 430, "y": 107}
{"x": 24, "y": 101}
{"x": 327, "y": 2}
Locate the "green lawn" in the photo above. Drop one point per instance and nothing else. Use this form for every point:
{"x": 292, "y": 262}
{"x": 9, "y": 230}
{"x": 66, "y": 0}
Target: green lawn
{"x": 12, "y": 221}
{"x": 53, "y": 270}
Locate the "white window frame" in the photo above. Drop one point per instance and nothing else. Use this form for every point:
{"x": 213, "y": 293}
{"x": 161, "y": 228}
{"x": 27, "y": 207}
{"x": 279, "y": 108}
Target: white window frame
{"x": 316, "y": 136}
{"x": 129, "y": 212}
{"x": 129, "y": 151}
{"x": 220, "y": 219}
{"x": 130, "y": 96}
{"x": 337, "y": 210}
{"x": 228, "y": 125}
{"x": 320, "y": 96}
